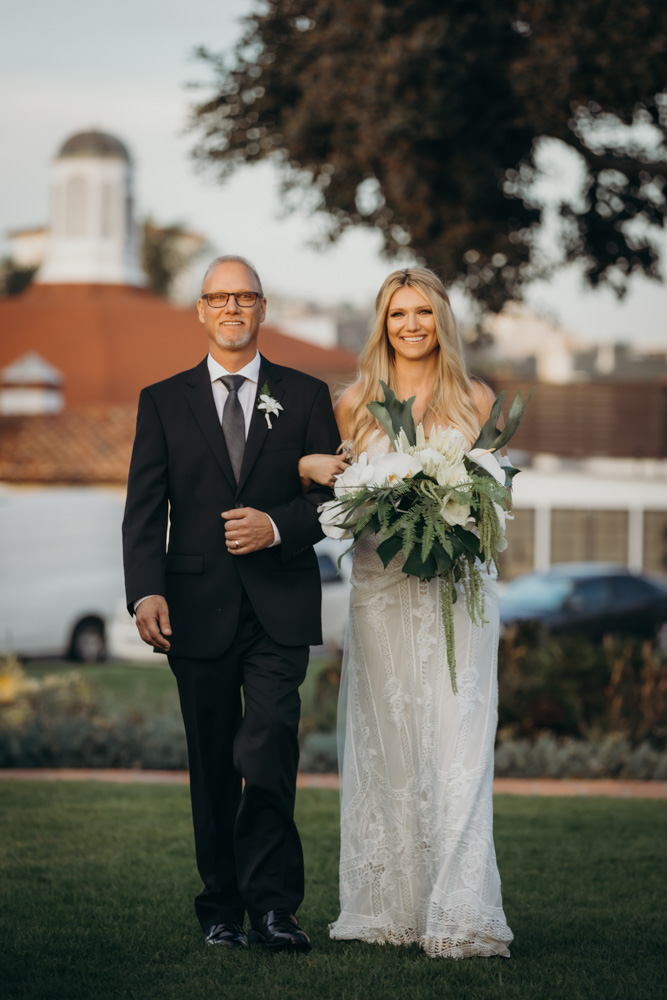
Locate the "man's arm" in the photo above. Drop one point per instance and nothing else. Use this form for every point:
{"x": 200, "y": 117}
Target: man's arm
{"x": 297, "y": 521}
{"x": 146, "y": 508}
{"x": 247, "y": 529}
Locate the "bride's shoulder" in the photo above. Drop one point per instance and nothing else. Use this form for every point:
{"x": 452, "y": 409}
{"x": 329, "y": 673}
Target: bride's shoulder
{"x": 349, "y": 395}
{"x": 348, "y": 398}
{"x": 483, "y": 398}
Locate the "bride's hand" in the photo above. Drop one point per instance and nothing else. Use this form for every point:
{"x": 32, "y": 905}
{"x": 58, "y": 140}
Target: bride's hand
{"x": 321, "y": 468}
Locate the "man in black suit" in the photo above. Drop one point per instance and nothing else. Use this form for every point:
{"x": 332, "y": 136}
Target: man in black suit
{"x": 235, "y": 599}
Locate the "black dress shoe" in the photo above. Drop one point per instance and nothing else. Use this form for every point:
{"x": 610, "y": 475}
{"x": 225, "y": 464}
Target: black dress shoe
{"x": 278, "y": 930}
{"x": 229, "y": 935}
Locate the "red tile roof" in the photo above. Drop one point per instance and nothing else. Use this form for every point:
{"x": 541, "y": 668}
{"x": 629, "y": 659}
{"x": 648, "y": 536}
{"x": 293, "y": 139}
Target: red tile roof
{"x": 81, "y": 445}
{"x": 111, "y": 340}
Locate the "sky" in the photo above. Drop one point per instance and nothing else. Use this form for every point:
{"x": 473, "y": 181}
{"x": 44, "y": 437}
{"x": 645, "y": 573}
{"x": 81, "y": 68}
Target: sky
{"x": 125, "y": 68}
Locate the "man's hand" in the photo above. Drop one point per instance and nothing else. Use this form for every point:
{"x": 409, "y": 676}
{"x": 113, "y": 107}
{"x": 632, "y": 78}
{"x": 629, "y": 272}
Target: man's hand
{"x": 152, "y": 620}
{"x": 247, "y": 530}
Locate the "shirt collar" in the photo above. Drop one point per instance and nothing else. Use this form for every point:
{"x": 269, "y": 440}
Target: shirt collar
{"x": 250, "y": 371}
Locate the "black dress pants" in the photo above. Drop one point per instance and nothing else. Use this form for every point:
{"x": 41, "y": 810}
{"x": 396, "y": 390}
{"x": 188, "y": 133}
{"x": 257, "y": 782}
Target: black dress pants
{"x": 243, "y": 758}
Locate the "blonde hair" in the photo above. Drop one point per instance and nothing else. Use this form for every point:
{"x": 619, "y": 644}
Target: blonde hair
{"x": 450, "y": 400}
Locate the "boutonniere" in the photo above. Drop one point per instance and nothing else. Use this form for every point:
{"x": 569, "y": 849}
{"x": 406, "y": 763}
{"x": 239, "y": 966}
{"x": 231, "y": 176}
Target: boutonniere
{"x": 269, "y": 406}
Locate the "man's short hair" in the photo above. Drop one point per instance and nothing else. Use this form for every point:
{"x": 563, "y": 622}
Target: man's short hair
{"x": 227, "y": 259}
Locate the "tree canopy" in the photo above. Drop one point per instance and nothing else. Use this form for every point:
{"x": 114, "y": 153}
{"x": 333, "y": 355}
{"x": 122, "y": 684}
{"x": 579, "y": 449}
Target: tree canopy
{"x": 423, "y": 118}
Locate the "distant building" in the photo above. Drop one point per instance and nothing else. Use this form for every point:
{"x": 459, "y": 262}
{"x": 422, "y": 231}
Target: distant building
{"x": 519, "y": 344}
{"x": 30, "y": 385}
{"x": 79, "y": 344}
{"x": 93, "y": 237}
{"x": 525, "y": 345}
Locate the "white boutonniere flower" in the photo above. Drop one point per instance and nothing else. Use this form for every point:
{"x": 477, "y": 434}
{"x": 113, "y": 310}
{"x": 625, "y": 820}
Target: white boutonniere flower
{"x": 269, "y": 406}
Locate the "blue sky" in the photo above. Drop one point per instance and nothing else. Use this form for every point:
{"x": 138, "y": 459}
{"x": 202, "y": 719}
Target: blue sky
{"x": 124, "y": 67}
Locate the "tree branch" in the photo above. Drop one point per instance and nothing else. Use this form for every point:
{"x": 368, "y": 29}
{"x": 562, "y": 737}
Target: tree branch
{"x": 607, "y": 161}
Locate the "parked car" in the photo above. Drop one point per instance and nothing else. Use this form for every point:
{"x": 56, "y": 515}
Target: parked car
{"x": 590, "y": 599}
{"x": 60, "y": 571}
{"x": 125, "y": 643}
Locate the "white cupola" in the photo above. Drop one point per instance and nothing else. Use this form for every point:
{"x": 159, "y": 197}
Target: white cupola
{"x": 30, "y": 385}
{"x": 92, "y": 237}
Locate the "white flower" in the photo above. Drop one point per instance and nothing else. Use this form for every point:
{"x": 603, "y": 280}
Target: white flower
{"x": 431, "y": 461}
{"x": 442, "y": 455}
{"x": 449, "y": 441}
{"x": 452, "y": 475}
{"x": 331, "y": 514}
{"x": 453, "y": 512}
{"x": 503, "y": 516}
{"x": 488, "y": 461}
{"x": 392, "y": 468}
{"x": 360, "y": 473}
{"x": 268, "y": 405}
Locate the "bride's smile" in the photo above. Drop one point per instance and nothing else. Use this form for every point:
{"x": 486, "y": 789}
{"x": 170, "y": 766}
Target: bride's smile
{"x": 411, "y": 326}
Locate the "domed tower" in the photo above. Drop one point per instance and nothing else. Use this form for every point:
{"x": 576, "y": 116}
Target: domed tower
{"x": 92, "y": 238}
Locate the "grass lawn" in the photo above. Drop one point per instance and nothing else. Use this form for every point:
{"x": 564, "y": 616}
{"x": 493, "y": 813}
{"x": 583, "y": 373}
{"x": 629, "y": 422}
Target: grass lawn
{"x": 96, "y": 887}
{"x": 125, "y": 687}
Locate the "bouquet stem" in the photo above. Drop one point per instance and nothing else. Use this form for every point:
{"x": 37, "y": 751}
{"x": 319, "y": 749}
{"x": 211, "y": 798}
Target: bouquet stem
{"x": 447, "y": 598}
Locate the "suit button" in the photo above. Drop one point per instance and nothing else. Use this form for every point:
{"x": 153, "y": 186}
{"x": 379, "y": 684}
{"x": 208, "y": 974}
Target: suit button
{"x": 239, "y": 503}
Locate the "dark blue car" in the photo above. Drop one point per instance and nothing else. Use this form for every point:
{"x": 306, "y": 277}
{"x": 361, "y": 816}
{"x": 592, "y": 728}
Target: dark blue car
{"x": 592, "y": 599}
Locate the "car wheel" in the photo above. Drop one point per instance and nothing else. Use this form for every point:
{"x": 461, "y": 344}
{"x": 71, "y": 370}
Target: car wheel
{"x": 88, "y": 641}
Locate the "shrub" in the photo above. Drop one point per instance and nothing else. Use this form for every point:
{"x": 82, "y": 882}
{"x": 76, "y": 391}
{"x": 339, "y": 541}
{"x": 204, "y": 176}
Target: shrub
{"x": 573, "y": 686}
{"x": 56, "y": 722}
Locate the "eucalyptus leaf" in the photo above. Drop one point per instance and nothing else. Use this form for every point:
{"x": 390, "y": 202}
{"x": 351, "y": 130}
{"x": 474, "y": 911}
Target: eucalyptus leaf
{"x": 492, "y": 437}
{"x": 490, "y": 430}
{"x": 389, "y": 548}
{"x": 395, "y": 415}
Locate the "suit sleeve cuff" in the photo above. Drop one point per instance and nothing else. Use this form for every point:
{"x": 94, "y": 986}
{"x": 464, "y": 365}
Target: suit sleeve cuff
{"x": 137, "y": 603}
{"x": 276, "y": 533}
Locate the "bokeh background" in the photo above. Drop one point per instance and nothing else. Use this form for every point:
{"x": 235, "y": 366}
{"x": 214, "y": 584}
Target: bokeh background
{"x": 508, "y": 145}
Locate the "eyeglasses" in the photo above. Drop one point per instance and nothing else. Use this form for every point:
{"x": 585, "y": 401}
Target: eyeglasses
{"x": 216, "y": 300}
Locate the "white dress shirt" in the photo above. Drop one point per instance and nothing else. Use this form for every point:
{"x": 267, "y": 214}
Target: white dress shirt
{"x": 247, "y": 395}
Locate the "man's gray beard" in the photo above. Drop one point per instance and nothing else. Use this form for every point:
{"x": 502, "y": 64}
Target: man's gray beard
{"x": 241, "y": 342}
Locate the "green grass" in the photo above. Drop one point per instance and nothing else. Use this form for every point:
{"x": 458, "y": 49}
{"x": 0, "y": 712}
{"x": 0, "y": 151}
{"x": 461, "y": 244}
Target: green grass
{"x": 96, "y": 887}
{"x": 125, "y": 687}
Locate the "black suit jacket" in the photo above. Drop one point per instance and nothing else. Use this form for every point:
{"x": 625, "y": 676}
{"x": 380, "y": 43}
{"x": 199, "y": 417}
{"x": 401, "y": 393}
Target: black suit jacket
{"x": 180, "y": 466}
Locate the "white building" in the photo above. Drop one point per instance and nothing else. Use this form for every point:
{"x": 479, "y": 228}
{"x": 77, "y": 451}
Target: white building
{"x": 93, "y": 237}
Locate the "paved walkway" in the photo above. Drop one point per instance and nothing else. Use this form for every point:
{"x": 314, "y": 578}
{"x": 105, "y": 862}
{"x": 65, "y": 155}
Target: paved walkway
{"x": 501, "y": 786}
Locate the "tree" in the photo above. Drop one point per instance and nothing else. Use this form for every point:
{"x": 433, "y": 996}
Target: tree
{"x": 423, "y": 118}
{"x": 14, "y": 279}
{"x": 166, "y": 251}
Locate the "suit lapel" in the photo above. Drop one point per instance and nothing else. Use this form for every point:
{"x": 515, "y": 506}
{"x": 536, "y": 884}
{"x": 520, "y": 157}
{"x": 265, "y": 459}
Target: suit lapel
{"x": 270, "y": 375}
{"x": 200, "y": 398}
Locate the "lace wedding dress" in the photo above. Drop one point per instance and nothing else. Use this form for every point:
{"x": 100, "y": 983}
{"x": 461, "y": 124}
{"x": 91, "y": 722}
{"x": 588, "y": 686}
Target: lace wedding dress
{"x": 417, "y": 861}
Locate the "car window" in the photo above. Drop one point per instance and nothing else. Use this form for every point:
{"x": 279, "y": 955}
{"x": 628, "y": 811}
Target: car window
{"x": 328, "y": 568}
{"x": 628, "y": 590}
{"x": 536, "y": 593}
{"x": 592, "y": 594}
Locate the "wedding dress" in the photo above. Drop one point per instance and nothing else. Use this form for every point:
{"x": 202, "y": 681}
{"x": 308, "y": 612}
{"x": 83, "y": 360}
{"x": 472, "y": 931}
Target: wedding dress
{"x": 417, "y": 860}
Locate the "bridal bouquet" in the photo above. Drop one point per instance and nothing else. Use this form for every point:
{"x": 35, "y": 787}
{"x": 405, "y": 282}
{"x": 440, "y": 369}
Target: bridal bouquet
{"x": 439, "y": 504}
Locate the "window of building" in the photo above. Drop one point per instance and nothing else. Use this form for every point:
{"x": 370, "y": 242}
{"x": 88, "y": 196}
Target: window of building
{"x": 76, "y": 208}
{"x": 655, "y": 541}
{"x": 107, "y": 210}
{"x": 519, "y": 556}
{"x": 589, "y": 536}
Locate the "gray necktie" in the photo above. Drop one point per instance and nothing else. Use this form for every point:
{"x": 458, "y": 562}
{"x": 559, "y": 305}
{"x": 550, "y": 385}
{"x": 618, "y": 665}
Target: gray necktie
{"x": 233, "y": 421}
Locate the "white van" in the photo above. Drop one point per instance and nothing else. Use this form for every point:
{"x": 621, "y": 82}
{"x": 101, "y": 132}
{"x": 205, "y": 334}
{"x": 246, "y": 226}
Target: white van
{"x": 61, "y": 570}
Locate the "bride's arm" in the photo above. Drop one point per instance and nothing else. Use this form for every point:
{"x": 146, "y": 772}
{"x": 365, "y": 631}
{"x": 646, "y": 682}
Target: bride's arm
{"x": 324, "y": 468}
{"x": 321, "y": 468}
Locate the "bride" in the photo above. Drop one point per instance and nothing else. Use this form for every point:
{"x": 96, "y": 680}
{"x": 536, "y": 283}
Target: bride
{"x": 417, "y": 861}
